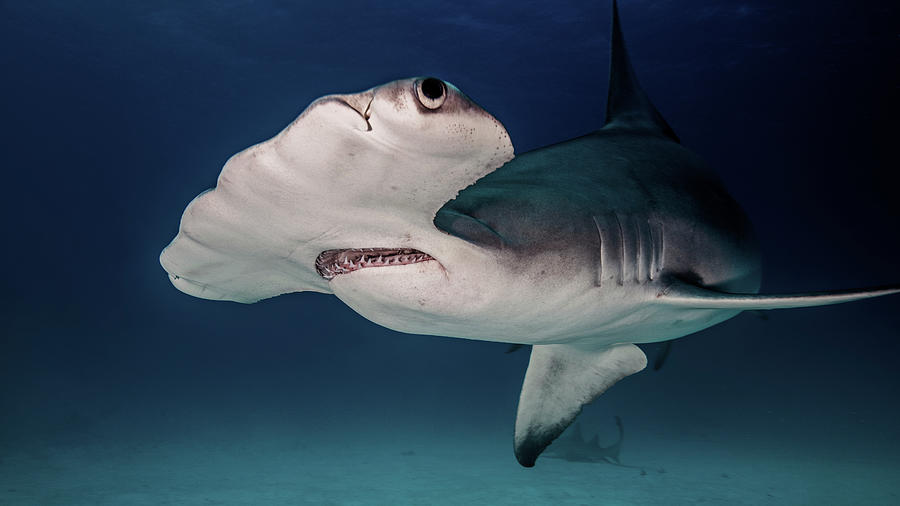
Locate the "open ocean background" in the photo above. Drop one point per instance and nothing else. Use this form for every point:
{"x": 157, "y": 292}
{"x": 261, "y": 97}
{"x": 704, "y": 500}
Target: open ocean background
{"x": 116, "y": 389}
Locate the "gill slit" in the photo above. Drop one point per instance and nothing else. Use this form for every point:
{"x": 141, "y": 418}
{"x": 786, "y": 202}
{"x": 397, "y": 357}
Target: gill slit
{"x": 639, "y": 255}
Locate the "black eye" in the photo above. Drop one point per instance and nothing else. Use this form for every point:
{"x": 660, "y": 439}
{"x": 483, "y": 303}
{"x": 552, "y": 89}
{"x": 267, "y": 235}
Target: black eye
{"x": 431, "y": 92}
{"x": 432, "y": 88}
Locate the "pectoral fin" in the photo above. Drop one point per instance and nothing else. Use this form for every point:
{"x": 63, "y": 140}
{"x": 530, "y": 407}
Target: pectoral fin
{"x": 686, "y": 295}
{"x": 559, "y": 381}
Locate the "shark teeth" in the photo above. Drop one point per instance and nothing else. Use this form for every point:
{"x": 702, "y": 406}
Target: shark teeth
{"x": 332, "y": 262}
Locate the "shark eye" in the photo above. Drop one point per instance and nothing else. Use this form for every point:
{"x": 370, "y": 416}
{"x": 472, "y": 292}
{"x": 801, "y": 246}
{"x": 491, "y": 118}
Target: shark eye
{"x": 431, "y": 92}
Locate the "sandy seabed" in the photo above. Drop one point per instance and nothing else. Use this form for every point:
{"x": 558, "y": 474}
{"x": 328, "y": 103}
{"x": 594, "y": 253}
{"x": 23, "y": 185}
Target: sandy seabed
{"x": 275, "y": 466}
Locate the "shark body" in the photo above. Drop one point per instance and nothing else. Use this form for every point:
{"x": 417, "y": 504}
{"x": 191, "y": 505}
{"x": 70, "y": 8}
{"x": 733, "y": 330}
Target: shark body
{"x": 405, "y": 201}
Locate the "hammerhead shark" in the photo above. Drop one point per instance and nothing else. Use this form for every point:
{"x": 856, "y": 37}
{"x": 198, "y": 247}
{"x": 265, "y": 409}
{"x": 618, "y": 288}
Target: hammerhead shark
{"x": 407, "y": 203}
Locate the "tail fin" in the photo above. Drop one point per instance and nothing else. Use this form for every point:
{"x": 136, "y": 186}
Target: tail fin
{"x": 686, "y": 295}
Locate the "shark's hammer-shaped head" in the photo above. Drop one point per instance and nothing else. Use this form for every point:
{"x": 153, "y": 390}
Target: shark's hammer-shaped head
{"x": 343, "y": 201}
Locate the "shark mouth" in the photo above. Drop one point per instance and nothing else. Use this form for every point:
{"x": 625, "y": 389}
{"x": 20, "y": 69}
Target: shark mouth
{"x": 332, "y": 262}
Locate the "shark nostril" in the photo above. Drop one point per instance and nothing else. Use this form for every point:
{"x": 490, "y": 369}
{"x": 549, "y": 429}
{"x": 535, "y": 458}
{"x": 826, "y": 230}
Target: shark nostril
{"x": 361, "y": 103}
{"x": 368, "y": 112}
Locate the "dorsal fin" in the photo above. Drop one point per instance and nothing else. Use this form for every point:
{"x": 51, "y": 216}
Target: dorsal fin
{"x": 627, "y": 106}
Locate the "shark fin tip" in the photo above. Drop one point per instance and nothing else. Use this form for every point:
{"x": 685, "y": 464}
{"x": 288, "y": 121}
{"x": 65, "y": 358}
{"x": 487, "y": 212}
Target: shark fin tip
{"x": 627, "y": 106}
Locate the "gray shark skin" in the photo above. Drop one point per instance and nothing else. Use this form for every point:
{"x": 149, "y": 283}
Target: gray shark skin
{"x": 406, "y": 202}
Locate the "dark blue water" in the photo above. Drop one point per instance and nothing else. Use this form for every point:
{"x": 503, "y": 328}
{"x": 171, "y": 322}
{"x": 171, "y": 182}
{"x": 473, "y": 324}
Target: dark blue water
{"x": 115, "y": 388}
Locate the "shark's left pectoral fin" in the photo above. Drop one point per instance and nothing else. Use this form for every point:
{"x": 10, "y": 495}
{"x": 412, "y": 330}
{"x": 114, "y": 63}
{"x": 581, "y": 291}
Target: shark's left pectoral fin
{"x": 559, "y": 381}
{"x": 691, "y": 296}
